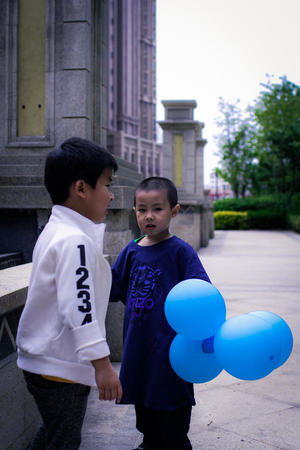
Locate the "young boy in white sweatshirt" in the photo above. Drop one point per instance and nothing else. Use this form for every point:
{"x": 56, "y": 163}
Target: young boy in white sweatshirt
{"x": 61, "y": 341}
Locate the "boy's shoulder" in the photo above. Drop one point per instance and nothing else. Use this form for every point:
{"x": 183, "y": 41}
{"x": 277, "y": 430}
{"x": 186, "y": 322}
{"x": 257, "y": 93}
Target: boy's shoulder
{"x": 181, "y": 244}
{"x": 63, "y": 229}
{"x": 64, "y": 232}
{"x": 129, "y": 248}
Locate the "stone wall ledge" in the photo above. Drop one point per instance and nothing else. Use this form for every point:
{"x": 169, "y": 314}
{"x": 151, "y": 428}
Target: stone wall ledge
{"x": 14, "y": 283}
{"x": 37, "y": 197}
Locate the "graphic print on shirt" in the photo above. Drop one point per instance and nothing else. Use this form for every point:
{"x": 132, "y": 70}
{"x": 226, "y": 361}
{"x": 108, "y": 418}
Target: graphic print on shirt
{"x": 83, "y": 289}
{"x": 143, "y": 281}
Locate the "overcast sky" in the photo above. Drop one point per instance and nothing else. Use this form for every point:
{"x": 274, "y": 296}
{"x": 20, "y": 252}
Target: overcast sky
{"x": 208, "y": 49}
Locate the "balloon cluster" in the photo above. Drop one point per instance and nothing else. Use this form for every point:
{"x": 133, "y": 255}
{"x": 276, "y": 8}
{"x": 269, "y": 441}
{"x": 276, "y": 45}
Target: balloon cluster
{"x": 248, "y": 346}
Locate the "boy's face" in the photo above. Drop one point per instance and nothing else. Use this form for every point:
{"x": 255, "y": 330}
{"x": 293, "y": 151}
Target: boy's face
{"x": 98, "y": 198}
{"x": 153, "y": 213}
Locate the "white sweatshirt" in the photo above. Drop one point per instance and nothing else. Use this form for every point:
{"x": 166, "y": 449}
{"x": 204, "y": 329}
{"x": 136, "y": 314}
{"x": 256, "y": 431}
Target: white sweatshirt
{"x": 62, "y": 327}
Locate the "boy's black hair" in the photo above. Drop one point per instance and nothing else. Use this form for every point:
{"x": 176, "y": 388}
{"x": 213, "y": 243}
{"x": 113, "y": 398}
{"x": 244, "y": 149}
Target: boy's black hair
{"x": 158, "y": 184}
{"x": 75, "y": 159}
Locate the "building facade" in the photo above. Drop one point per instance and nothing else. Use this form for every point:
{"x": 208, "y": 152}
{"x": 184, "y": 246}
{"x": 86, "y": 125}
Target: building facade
{"x": 218, "y": 187}
{"x": 132, "y": 84}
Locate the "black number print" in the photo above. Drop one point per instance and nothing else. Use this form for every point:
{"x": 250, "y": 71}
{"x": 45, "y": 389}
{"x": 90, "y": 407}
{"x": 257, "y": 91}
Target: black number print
{"x": 85, "y": 295}
{"x": 85, "y": 275}
{"x": 82, "y": 254}
{"x": 83, "y": 292}
{"x": 87, "y": 319}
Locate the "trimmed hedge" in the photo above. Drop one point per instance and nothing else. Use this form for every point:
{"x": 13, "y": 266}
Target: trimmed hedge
{"x": 231, "y": 220}
{"x": 266, "y": 220}
{"x": 267, "y": 202}
{"x": 294, "y": 222}
{"x": 254, "y": 220}
{"x": 264, "y": 213}
{"x": 295, "y": 204}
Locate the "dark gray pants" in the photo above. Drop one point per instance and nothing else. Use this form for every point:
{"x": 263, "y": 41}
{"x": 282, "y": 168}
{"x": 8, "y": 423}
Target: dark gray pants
{"x": 164, "y": 430}
{"x": 62, "y": 407}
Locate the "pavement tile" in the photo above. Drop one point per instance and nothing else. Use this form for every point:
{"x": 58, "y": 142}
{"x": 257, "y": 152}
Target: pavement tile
{"x": 279, "y": 429}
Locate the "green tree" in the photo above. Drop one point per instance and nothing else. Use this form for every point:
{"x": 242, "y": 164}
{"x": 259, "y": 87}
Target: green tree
{"x": 237, "y": 143}
{"x": 277, "y": 113}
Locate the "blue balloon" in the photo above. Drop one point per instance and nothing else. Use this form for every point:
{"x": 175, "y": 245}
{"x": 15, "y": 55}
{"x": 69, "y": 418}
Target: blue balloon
{"x": 283, "y": 334}
{"x": 195, "y": 309}
{"x": 190, "y": 363}
{"x": 246, "y": 346}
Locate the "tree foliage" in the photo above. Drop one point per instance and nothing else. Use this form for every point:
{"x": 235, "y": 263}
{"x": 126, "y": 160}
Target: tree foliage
{"x": 237, "y": 143}
{"x": 260, "y": 147}
{"x": 277, "y": 113}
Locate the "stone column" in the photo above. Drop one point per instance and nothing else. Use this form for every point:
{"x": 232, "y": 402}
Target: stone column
{"x": 183, "y": 146}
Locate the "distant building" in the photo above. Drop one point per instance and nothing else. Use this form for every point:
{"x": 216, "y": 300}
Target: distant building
{"x": 218, "y": 188}
{"x": 132, "y": 84}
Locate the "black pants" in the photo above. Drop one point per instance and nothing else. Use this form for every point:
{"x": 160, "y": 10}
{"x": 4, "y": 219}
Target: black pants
{"x": 62, "y": 407}
{"x": 164, "y": 430}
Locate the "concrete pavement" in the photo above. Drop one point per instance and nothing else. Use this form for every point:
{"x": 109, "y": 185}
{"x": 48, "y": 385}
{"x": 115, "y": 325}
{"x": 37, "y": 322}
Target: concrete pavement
{"x": 254, "y": 270}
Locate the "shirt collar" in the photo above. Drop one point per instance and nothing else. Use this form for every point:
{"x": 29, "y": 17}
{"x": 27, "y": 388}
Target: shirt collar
{"x": 68, "y": 215}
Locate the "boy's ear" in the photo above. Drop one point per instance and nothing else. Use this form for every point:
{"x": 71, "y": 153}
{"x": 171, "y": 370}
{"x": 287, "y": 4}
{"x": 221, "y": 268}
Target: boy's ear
{"x": 79, "y": 188}
{"x": 175, "y": 210}
{"x": 134, "y": 209}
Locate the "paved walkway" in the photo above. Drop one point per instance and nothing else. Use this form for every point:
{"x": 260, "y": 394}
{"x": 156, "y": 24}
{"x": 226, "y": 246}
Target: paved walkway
{"x": 254, "y": 270}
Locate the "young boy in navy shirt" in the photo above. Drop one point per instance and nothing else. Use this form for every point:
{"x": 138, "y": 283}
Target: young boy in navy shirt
{"x": 143, "y": 274}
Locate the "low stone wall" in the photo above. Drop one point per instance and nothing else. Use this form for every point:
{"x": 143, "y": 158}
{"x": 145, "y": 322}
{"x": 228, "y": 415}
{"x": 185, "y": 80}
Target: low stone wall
{"x": 194, "y": 224}
{"x": 186, "y": 225}
{"x": 19, "y": 417}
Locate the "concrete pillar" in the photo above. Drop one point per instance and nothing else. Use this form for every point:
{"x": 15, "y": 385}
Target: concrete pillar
{"x": 183, "y": 146}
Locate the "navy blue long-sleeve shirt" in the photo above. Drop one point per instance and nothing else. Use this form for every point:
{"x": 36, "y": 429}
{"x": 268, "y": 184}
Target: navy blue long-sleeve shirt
{"x": 142, "y": 279}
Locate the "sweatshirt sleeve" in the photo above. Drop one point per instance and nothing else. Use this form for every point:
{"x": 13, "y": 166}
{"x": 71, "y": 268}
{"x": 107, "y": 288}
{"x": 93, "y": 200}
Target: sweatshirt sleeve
{"x": 120, "y": 276}
{"x": 76, "y": 264}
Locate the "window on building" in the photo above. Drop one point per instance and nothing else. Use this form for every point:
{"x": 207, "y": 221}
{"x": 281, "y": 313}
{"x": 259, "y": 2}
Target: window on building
{"x": 157, "y": 165}
{"x": 143, "y": 160}
{"x": 126, "y": 153}
{"x": 150, "y": 166}
{"x": 144, "y": 121}
{"x": 145, "y": 18}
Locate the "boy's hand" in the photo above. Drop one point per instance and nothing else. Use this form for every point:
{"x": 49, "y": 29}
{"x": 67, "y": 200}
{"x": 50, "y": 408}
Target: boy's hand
{"x": 107, "y": 380}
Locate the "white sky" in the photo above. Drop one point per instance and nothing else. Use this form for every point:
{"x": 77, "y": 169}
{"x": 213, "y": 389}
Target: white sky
{"x": 208, "y": 49}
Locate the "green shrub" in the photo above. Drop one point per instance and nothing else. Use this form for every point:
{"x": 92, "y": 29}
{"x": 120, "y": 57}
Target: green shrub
{"x": 273, "y": 202}
{"x": 267, "y": 212}
{"x": 266, "y": 220}
{"x": 295, "y": 204}
{"x": 229, "y": 204}
{"x": 257, "y": 220}
{"x": 294, "y": 222}
{"x": 231, "y": 220}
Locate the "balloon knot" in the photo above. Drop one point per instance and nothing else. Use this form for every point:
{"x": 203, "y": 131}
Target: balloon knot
{"x": 208, "y": 345}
